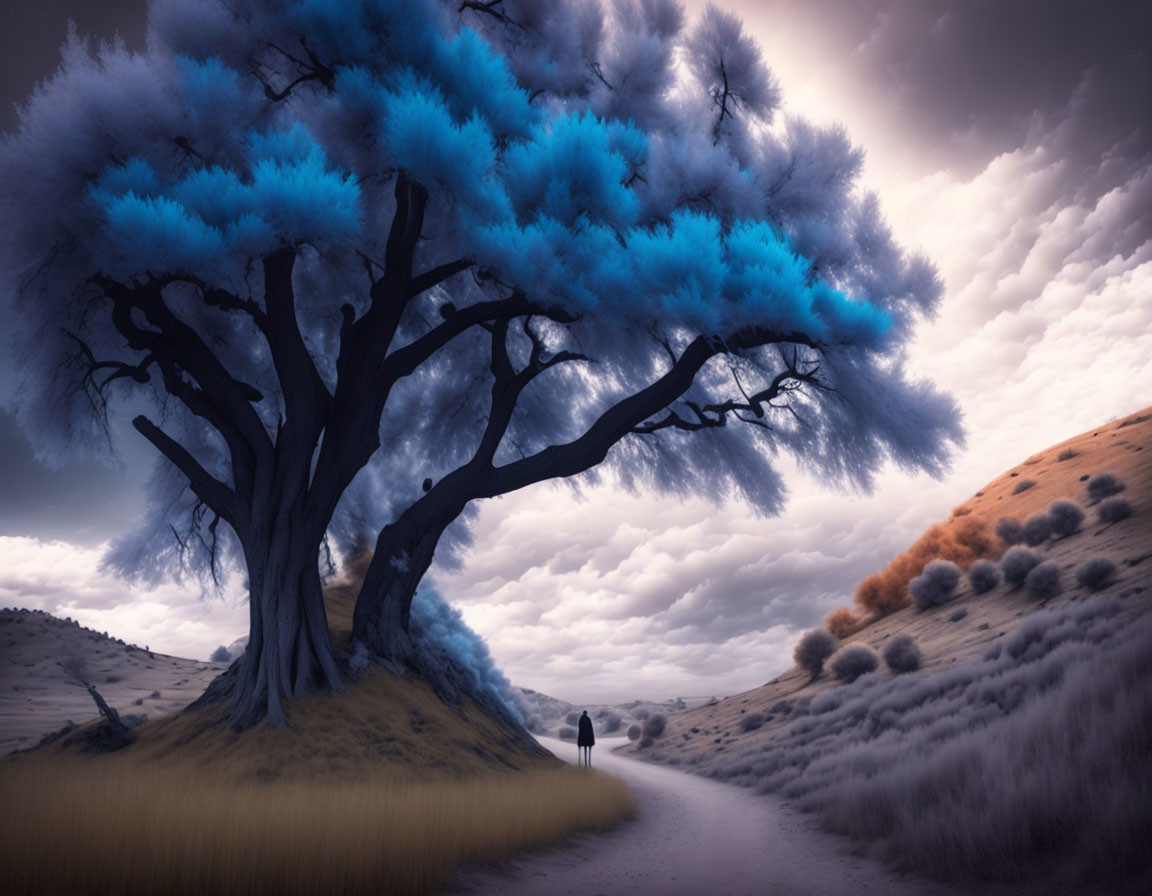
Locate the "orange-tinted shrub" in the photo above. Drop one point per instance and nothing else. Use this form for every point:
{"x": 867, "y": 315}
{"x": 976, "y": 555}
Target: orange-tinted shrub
{"x": 842, "y": 623}
{"x": 964, "y": 541}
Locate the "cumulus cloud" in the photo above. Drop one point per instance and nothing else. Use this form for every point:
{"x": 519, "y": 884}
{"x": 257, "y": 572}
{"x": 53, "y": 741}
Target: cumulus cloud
{"x": 65, "y": 580}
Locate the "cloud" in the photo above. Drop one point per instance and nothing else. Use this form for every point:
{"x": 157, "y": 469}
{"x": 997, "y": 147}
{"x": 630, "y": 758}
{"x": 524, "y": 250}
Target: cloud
{"x": 65, "y": 580}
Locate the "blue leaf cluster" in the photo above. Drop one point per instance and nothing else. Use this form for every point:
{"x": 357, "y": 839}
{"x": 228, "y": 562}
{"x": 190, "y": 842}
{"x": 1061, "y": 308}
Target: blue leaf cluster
{"x": 456, "y": 659}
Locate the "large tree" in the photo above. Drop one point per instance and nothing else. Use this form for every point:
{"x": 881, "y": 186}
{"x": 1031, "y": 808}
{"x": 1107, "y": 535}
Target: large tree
{"x": 352, "y": 266}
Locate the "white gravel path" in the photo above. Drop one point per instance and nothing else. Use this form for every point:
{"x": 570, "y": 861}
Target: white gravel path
{"x": 697, "y": 836}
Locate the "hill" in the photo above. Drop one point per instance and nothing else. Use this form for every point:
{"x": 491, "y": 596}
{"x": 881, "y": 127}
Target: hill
{"x": 383, "y": 788}
{"x": 1021, "y": 745}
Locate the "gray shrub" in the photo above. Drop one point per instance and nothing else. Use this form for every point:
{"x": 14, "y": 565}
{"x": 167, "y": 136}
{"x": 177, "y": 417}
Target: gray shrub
{"x": 751, "y": 722}
{"x": 1043, "y": 581}
{"x": 813, "y": 648}
{"x": 902, "y": 655}
{"x": 983, "y": 576}
{"x": 935, "y": 585}
{"x": 1009, "y": 530}
{"x": 611, "y": 723}
{"x": 1065, "y": 516}
{"x": 1114, "y": 509}
{"x": 634, "y": 732}
{"x": 1016, "y": 563}
{"x": 1104, "y": 485}
{"x": 572, "y": 718}
{"x": 221, "y": 655}
{"x": 1096, "y": 573}
{"x": 1037, "y": 529}
{"x": 567, "y": 733}
{"x": 1022, "y": 486}
{"x": 654, "y": 725}
{"x": 854, "y": 661}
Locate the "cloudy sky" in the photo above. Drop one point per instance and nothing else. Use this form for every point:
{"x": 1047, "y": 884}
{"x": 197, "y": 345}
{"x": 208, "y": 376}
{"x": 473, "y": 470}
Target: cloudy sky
{"x": 1009, "y": 140}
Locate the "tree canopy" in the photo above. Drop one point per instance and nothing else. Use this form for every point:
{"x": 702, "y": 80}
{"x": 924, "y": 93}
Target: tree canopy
{"x": 353, "y": 266}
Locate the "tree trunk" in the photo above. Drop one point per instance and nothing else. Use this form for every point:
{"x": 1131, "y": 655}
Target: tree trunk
{"x": 289, "y": 648}
{"x": 403, "y": 553}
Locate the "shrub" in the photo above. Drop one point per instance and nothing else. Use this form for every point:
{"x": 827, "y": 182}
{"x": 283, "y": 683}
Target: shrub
{"x": 957, "y": 615}
{"x": 934, "y": 586}
{"x": 572, "y": 718}
{"x": 983, "y": 576}
{"x": 961, "y": 541}
{"x": 1023, "y": 485}
{"x": 645, "y": 742}
{"x": 1037, "y": 529}
{"x": 1044, "y": 580}
{"x": 634, "y": 732}
{"x": 1016, "y": 563}
{"x": 611, "y": 723}
{"x": 1096, "y": 573}
{"x": 854, "y": 661}
{"x": 902, "y": 655}
{"x": 813, "y": 649}
{"x": 751, "y": 722}
{"x": 220, "y": 655}
{"x": 842, "y": 623}
{"x": 654, "y": 725}
{"x": 640, "y": 714}
{"x": 1066, "y": 517}
{"x": 1066, "y": 454}
{"x": 567, "y": 733}
{"x": 1114, "y": 509}
{"x": 1009, "y": 530}
{"x": 1104, "y": 485}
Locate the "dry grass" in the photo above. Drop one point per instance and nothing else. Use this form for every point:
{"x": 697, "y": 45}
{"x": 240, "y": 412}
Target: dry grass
{"x": 104, "y": 826}
{"x": 383, "y": 789}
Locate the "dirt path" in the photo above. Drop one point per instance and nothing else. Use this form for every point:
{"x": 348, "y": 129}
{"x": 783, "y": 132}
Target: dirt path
{"x": 693, "y": 836}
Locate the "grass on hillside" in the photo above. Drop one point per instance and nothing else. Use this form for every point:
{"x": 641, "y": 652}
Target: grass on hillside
{"x": 84, "y": 826}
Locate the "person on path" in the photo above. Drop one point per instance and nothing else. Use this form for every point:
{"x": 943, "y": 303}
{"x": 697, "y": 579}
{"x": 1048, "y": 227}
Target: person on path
{"x": 585, "y": 739}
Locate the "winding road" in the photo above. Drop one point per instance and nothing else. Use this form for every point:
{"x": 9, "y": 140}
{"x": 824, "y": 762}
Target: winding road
{"x": 692, "y": 835}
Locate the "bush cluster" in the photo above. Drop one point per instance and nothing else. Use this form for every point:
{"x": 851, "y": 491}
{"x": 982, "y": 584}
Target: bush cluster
{"x": 902, "y": 655}
{"x": 1009, "y": 530}
{"x": 1066, "y": 517}
{"x": 751, "y": 722}
{"x": 842, "y": 623}
{"x": 567, "y": 733}
{"x": 1037, "y": 529}
{"x": 1016, "y": 563}
{"x": 1104, "y": 485}
{"x": 854, "y": 661}
{"x": 983, "y": 576}
{"x": 634, "y": 732}
{"x": 936, "y": 585}
{"x": 813, "y": 648}
{"x": 1096, "y": 573}
{"x": 572, "y": 718}
{"x": 1114, "y": 509}
{"x": 654, "y": 725}
{"x": 961, "y": 541}
{"x": 1043, "y": 580}
{"x": 611, "y": 723}
{"x": 1023, "y": 485}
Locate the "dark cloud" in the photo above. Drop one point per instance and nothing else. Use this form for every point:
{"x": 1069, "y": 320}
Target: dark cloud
{"x": 965, "y": 81}
{"x": 83, "y": 503}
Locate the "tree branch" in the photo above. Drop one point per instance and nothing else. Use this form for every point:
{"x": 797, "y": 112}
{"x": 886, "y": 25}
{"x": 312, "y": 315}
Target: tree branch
{"x": 214, "y": 493}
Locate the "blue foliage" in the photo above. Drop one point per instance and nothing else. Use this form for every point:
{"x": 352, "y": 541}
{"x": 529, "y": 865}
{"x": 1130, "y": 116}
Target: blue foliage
{"x": 455, "y": 658}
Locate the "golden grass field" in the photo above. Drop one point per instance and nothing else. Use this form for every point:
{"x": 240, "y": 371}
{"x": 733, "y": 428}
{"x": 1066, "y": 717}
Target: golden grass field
{"x": 383, "y": 789}
{"x": 82, "y": 826}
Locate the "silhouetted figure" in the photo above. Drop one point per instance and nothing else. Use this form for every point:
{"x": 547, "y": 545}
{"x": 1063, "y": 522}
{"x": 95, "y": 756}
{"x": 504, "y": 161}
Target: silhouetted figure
{"x": 585, "y": 739}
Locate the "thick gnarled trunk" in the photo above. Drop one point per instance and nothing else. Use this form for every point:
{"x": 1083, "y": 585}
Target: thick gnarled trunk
{"x": 289, "y": 649}
{"x": 403, "y": 553}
